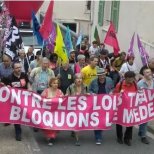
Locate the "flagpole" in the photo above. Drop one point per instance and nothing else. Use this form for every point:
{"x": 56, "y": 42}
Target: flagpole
{"x": 33, "y": 39}
{"x": 42, "y": 49}
{"x": 80, "y": 47}
{"x": 60, "y": 60}
{"x": 146, "y": 60}
{"x": 28, "y": 62}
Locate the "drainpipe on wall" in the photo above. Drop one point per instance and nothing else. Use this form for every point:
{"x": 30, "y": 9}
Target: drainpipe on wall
{"x": 91, "y": 19}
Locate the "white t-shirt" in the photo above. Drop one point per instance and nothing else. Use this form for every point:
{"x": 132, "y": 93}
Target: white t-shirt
{"x": 126, "y": 67}
{"x": 93, "y": 51}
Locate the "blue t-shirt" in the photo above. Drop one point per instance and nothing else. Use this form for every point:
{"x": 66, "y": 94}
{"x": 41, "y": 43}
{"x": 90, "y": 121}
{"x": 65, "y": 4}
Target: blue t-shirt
{"x": 5, "y": 71}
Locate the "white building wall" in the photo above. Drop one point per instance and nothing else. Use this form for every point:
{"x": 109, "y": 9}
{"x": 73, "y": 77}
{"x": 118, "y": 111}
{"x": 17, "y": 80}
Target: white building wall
{"x": 134, "y": 16}
{"x": 71, "y": 12}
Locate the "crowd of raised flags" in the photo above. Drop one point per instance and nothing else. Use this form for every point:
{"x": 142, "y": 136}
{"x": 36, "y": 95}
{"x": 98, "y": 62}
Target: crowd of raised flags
{"x": 49, "y": 34}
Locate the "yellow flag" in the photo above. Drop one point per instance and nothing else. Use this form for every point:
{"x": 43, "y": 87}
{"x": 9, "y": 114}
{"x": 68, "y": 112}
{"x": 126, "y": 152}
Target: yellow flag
{"x": 60, "y": 49}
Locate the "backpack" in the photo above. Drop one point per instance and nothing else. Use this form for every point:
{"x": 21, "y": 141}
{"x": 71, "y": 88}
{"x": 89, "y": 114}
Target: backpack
{"x": 121, "y": 82}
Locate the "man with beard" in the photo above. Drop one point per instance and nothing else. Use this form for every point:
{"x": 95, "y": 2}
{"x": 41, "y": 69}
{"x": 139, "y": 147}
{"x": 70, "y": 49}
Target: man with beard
{"x": 101, "y": 85}
{"x": 149, "y": 65}
{"x": 17, "y": 79}
{"x": 148, "y": 83}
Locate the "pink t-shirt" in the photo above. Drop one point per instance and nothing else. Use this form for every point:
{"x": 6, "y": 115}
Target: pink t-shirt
{"x": 59, "y": 93}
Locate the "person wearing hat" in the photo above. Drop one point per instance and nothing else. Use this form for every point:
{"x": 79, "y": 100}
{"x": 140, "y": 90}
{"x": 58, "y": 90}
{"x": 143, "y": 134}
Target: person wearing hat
{"x": 101, "y": 85}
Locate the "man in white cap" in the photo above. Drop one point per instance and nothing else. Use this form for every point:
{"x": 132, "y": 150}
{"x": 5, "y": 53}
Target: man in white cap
{"x": 101, "y": 85}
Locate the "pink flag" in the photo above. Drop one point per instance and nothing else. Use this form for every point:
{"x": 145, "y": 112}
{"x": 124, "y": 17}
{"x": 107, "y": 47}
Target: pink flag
{"x": 111, "y": 39}
{"x": 46, "y": 27}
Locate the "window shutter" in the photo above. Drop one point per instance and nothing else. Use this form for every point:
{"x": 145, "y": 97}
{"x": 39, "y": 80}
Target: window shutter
{"x": 115, "y": 13}
{"x": 101, "y": 12}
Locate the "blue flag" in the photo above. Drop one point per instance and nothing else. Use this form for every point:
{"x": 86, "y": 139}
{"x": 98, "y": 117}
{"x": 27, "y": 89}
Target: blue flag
{"x": 79, "y": 40}
{"x": 68, "y": 41}
{"x": 36, "y": 27}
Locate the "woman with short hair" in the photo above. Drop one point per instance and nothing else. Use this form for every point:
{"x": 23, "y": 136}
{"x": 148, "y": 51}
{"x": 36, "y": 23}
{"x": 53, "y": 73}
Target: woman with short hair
{"x": 51, "y": 92}
{"x": 77, "y": 88}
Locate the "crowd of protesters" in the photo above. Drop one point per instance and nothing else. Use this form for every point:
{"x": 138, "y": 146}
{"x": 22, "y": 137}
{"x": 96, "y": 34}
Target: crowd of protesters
{"x": 91, "y": 69}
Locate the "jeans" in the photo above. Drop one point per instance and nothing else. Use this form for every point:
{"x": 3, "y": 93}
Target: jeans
{"x": 17, "y": 129}
{"x": 98, "y": 134}
{"x": 142, "y": 129}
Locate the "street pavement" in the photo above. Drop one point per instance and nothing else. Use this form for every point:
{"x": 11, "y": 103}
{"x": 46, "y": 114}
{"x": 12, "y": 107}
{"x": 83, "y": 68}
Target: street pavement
{"x": 35, "y": 143}
{"x": 65, "y": 144}
{"x": 151, "y": 126}
{"x": 8, "y": 144}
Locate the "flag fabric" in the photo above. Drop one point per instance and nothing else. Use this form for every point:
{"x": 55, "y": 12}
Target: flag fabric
{"x": 68, "y": 41}
{"x": 13, "y": 40}
{"x": 46, "y": 27}
{"x": 131, "y": 48}
{"x": 111, "y": 39}
{"x": 36, "y": 27}
{"x": 142, "y": 51}
{"x": 96, "y": 35}
{"x": 60, "y": 49}
{"x": 51, "y": 39}
{"x": 79, "y": 40}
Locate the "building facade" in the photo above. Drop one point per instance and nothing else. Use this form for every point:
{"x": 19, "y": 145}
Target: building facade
{"x": 128, "y": 17}
{"x": 75, "y": 14}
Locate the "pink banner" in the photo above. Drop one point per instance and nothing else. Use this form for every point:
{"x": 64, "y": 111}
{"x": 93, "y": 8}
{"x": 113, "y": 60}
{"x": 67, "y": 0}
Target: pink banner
{"x": 84, "y": 112}
{"x": 136, "y": 108}
{"x": 68, "y": 113}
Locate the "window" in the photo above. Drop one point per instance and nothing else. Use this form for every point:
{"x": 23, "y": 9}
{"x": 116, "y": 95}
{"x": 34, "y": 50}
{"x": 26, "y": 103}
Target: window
{"x": 101, "y": 12}
{"x": 72, "y": 26}
{"x": 28, "y": 37}
{"x": 115, "y": 13}
{"x": 88, "y": 5}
